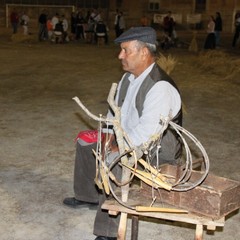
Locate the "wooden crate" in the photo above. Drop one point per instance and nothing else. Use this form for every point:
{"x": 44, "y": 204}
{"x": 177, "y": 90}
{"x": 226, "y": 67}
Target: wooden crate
{"x": 215, "y": 197}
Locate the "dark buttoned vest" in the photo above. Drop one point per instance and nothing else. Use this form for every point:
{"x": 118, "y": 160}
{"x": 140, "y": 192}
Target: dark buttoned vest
{"x": 170, "y": 150}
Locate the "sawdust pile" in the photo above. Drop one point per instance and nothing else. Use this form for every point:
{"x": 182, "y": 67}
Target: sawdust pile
{"x": 219, "y": 63}
{"x": 20, "y": 37}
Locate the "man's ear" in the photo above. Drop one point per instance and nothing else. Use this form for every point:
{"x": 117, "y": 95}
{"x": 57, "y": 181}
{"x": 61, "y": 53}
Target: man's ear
{"x": 145, "y": 51}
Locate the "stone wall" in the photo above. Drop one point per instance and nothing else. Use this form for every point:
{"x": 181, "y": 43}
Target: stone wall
{"x": 133, "y": 11}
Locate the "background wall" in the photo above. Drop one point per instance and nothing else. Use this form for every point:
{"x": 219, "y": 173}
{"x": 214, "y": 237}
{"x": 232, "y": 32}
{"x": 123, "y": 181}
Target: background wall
{"x": 133, "y": 10}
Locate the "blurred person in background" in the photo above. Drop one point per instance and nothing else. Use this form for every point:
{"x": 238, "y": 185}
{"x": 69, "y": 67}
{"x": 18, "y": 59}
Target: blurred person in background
{"x": 237, "y": 29}
{"x": 210, "y": 42}
{"x": 14, "y": 19}
{"x": 218, "y": 28}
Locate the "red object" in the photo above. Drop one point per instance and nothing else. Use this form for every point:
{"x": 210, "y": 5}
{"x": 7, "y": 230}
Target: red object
{"x": 89, "y": 136}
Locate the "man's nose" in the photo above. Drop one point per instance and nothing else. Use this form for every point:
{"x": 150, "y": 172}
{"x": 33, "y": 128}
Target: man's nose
{"x": 121, "y": 55}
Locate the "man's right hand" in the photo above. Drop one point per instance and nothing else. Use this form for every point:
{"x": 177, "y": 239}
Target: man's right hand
{"x": 109, "y": 144}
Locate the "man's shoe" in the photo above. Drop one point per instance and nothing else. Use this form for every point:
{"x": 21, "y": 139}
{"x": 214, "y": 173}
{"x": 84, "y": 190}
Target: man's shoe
{"x": 74, "y": 203}
{"x": 105, "y": 238}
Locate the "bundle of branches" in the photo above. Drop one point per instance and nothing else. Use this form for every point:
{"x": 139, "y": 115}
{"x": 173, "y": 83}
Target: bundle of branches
{"x": 166, "y": 63}
{"x": 219, "y": 63}
{"x": 193, "y": 47}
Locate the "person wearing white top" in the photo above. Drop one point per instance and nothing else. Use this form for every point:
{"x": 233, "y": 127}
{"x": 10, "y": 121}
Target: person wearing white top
{"x": 24, "y": 22}
{"x": 55, "y": 20}
{"x": 210, "y": 42}
{"x": 65, "y": 29}
{"x": 145, "y": 94}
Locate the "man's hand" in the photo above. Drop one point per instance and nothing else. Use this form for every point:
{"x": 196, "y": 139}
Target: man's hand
{"x": 109, "y": 144}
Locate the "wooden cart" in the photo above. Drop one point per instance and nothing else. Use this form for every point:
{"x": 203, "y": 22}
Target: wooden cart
{"x": 207, "y": 204}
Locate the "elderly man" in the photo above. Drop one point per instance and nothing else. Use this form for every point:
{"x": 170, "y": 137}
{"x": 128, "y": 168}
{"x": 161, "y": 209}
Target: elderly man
{"x": 145, "y": 93}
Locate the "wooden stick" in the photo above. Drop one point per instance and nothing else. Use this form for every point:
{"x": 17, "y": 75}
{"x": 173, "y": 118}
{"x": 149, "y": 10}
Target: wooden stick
{"x": 121, "y": 146}
{"x": 150, "y": 178}
{"x": 154, "y": 171}
{"x": 159, "y": 209}
{"x": 104, "y": 180}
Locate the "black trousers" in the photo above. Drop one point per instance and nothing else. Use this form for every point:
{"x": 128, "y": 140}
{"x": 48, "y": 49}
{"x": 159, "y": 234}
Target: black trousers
{"x": 210, "y": 42}
{"x": 86, "y": 190}
{"x": 236, "y": 36}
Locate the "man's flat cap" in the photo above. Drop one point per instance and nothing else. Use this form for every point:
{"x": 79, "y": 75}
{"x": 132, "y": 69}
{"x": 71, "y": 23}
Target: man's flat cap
{"x": 144, "y": 34}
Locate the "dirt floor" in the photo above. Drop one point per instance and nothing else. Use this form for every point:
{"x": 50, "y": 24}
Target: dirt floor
{"x": 39, "y": 121}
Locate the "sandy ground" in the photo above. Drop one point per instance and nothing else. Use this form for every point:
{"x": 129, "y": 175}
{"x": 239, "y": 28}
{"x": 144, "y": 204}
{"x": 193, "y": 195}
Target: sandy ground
{"x": 39, "y": 121}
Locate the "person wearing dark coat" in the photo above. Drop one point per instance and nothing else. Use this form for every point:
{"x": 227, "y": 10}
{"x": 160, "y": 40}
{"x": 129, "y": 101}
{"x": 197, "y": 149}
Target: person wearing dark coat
{"x": 42, "y": 21}
{"x": 237, "y": 29}
{"x": 218, "y": 28}
{"x": 101, "y": 31}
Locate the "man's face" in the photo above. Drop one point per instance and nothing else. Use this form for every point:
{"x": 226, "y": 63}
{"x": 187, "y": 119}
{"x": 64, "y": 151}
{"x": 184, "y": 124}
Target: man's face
{"x": 131, "y": 57}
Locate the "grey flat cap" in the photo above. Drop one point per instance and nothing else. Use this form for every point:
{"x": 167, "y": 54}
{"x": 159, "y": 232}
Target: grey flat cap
{"x": 144, "y": 34}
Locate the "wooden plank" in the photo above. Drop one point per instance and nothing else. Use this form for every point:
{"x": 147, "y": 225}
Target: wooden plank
{"x": 187, "y": 218}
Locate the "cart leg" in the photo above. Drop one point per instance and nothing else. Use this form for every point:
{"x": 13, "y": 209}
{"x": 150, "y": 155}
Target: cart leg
{"x": 122, "y": 227}
{"x": 134, "y": 231}
{"x": 199, "y": 232}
